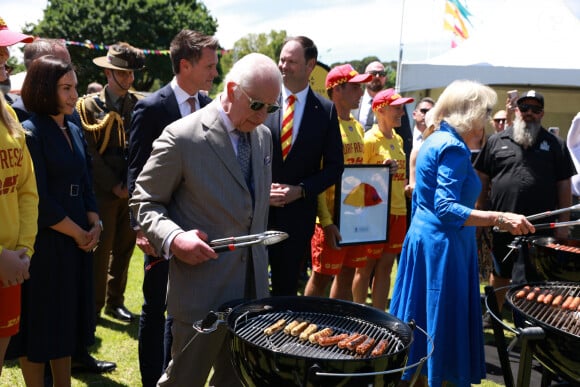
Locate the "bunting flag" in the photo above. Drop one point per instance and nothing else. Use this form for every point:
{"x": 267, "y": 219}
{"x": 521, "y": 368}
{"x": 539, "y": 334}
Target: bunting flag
{"x": 455, "y": 20}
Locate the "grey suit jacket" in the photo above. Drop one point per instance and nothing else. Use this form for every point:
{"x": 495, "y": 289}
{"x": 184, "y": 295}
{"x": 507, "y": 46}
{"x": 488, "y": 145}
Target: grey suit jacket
{"x": 193, "y": 181}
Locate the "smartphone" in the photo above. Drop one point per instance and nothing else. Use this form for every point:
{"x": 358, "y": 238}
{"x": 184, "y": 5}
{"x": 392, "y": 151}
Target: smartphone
{"x": 513, "y": 97}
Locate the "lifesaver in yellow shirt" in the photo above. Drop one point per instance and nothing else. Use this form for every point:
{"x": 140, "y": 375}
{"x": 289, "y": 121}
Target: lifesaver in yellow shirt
{"x": 363, "y": 195}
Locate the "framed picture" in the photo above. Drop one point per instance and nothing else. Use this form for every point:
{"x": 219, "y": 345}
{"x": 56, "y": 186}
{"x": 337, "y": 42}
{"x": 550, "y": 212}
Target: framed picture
{"x": 362, "y": 202}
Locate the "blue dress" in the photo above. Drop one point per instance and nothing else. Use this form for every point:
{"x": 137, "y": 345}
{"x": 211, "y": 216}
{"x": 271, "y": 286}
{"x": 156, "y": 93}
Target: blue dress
{"x": 58, "y": 300}
{"x": 437, "y": 282}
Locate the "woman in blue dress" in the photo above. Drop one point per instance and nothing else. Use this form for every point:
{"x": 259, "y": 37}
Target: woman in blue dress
{"x": 437, "y": 282}
{"x": 57, "y": 300}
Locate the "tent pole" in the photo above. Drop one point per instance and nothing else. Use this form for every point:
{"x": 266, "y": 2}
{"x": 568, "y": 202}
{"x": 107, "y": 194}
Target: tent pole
{"x": 399, "y": 62}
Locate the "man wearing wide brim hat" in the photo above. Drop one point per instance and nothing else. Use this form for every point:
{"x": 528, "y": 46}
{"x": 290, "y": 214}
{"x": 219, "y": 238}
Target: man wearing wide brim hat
{"x": 106, "y": 118}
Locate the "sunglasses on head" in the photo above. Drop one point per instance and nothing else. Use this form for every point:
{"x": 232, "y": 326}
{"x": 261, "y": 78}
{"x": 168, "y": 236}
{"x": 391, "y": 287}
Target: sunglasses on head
{"x": 375, "y": 73}
{"x": 424, "y": 111}
{"x": 524, "y": 108}
{"x": 258, "y": 105}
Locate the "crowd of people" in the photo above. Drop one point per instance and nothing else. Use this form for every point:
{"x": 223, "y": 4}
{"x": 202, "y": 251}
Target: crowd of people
{"x": 86, "y": 179}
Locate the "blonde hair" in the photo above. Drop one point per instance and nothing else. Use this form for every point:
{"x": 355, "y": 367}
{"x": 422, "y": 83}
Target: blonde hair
{"x": 465, "y": 105}
{"x": 9, "y": 120}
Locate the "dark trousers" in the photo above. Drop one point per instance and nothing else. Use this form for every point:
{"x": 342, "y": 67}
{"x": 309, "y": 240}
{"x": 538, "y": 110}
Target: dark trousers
{"x": 113, "y": 254}
{"x": 286, "y": 263}
{"x": 154, "y": 329}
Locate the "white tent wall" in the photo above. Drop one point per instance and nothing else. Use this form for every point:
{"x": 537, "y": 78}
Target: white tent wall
{"x": 530, "y": 44}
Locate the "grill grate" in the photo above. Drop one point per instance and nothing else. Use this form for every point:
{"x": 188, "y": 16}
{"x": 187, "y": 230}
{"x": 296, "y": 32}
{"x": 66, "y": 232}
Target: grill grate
{"x": 252, "y": 330}
{"x": 554, "y": 316}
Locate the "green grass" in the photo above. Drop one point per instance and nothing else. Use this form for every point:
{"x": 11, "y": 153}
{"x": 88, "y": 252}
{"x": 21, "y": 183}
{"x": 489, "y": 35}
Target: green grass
{"x": 117, "y": 342}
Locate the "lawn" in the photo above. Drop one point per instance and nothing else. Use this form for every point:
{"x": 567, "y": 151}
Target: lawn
{"x": 117, "y": 342}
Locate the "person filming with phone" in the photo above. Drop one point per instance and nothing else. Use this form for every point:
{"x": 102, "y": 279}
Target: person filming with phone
{"x": 525, "y": 170}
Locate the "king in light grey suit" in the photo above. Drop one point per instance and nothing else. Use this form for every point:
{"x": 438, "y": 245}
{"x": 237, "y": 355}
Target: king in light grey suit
{"x": 192, "y": 190}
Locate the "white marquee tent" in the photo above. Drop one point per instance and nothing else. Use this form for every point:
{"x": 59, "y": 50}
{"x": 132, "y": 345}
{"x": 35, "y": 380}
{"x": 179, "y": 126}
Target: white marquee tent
{"x": 529, "y": 42}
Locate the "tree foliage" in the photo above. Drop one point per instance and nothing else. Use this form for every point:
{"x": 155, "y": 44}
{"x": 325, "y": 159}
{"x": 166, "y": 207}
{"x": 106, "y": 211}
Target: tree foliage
{"x": 147, "y": 24}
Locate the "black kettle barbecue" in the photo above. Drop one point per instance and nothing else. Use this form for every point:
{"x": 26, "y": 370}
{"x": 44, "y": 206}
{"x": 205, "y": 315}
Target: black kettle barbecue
{"x": 281, "y": 359}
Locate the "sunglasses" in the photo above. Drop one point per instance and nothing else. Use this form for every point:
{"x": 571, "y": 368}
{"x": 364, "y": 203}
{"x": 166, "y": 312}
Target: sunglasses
{"x": 258, "y": 105}
{"x": 499, "y": 120}
{"x": 524, "y": 108}
{"x": 424, "y": 111}
{"x": 375, "y": 73}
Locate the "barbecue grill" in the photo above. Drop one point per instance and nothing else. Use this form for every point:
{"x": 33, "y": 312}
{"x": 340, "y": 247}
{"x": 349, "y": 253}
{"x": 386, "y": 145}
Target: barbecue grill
{"x": 285, "y": 360}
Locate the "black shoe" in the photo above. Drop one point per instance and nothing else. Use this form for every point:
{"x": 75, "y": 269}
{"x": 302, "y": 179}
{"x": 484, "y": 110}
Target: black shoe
{"x": 120, "y": 313}
{"x": 89, "y": 364}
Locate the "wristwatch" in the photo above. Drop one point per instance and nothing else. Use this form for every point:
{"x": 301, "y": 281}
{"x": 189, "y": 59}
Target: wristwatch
{"x": 100, "y": 224}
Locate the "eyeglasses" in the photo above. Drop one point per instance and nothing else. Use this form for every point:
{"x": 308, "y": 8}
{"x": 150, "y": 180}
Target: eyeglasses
{"x": 377, "y": 73}
{"x": 524, "y": 108}
{"x": 424, "y": 111}
{"x": 499, "y": 120}
{"x": 258, "y": 105}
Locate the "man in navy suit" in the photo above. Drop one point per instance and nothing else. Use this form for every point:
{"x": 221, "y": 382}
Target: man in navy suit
{"x": 313, "y": 163}
{"x": 194, "y": 60}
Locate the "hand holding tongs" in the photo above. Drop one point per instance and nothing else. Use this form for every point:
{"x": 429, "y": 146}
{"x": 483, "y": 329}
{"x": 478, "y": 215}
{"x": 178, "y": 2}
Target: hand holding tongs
{"x": 232, "y": 243}
{"x": 549, "y": 213}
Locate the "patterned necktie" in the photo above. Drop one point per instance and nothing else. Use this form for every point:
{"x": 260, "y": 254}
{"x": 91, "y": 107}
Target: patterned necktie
{"x": 245, "y": 155}
{"x": 287, "y": 125}
{"x": 191, "y": 102}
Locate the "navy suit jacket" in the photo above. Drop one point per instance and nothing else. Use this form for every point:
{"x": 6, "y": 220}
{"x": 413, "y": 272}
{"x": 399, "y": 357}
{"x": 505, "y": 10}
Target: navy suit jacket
{"x": 151, "y": 115}
{"x": 315, "y": 160}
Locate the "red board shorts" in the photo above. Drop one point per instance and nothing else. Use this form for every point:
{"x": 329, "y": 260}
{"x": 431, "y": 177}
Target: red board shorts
{"x": 397, "y": 231}
{"x": 326, "y": 260}
{"x": 9, "y": 310}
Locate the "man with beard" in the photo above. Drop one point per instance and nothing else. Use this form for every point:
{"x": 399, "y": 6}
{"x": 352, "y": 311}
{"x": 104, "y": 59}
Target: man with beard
{"x": 364, "y": 114}
{"x": 529, "y": 171}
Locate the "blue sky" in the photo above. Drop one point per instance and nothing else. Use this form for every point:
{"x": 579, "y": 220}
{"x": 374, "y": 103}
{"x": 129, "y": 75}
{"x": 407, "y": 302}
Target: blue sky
{"x": 342, "y": 29}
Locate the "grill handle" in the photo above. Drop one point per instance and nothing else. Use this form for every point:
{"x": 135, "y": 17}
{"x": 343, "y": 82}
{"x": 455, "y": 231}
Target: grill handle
{"x": 418, "y": 364}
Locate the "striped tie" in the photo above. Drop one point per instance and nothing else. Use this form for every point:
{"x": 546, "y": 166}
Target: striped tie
{"x": 287, "y": 124}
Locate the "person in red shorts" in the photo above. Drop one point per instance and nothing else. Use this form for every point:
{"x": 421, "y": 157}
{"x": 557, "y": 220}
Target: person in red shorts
{"x": 383, "y": 144}
{"x": 343, "y": 85}
{"x": 18, "y": 204}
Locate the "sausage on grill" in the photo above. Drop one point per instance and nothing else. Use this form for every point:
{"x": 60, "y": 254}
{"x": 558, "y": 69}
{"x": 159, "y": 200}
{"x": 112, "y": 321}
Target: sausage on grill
{"x": 291, "y": 326}
{"x": 342, "y": 344}
{"x": 380, "y": 348}
{"x": 363, "y": 348}
{"x": 299, "y": 328}
{"x": 322, "y": 333}
{"x": 310, "y": 329}
{"x": 557, "y": 300}
{"x": 351, "y": 345}
{"x": 331, "y": 340}
{"x": 575, "y": 303}
{"x": 568, "y": 301}
{"x": 277, "y": 326}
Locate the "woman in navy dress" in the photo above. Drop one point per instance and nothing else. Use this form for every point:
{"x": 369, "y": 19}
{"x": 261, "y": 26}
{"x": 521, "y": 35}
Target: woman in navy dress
{"x": 437, "y": 281}
{"x": 60, "y": 289}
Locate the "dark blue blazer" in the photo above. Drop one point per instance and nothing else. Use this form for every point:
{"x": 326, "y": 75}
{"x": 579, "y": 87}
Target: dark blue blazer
{"x": 315, "y": 160}
{"x": 151, "y": 115}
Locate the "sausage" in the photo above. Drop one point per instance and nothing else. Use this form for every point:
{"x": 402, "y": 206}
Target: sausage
{"x": 363, "y": 348}
{"x": 380, "y": 348}
{"x": 310, "y": 329}
{"x": 331, "y": 340}
{"x": 557, "y": 300}
{"x": 351, "y": 345}
{"x": 541, "y": 296}
{"x": 342, "y": 344}
{"x": 568, "y": 301}
{"x": 322, "y": 333}
{"x": 531, "y": 295}
{"x": 299, "y": 328}
{"x": 575, "y": 303}
{"x": 291, "y": 326}
{"x": 548, "y": 298}
{"x": 277, "y": 326}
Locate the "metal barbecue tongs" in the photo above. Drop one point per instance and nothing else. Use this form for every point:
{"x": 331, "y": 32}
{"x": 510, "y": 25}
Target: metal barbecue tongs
{"x": 265, "y": 238}
{"x": 542, "y": 226}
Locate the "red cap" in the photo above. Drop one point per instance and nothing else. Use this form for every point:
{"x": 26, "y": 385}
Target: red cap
{"x": 343, "y": 74}
{"x": 8, "y": 38}
{"x": 389, "y": 97}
